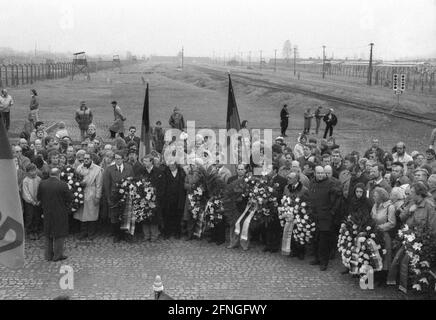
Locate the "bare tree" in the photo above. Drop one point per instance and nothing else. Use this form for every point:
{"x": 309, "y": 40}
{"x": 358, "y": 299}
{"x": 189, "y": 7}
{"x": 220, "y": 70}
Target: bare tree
{"x": 287, "y": 50}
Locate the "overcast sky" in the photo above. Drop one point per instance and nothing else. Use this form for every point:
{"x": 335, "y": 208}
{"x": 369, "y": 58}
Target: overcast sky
{"x": 399, "y": 28}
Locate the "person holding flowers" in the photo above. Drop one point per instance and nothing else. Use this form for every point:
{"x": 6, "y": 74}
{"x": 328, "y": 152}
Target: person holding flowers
{"x": 92, "y": 183}
{"x": 383, "y": 214}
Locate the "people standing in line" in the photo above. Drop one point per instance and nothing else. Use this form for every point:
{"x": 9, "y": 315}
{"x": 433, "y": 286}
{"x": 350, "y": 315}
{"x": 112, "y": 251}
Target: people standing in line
{"x": 6, "y": 102}
{"x": 55, "y": 198}
{"x": 307, "y": 121}
{"x": 318, "y": 118}
{"x": 331, "y": 121}
{"x": 176, "y": 120}
{"x": 284, "y": 120}
{"x": 119, "y": 118}
{"x": 83, "y": 118}
{"x": 92, "y": 183}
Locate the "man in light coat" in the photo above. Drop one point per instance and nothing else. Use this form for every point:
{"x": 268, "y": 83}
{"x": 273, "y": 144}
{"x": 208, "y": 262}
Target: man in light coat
{"x": 92, "y": 183}
{"x": 6, "y": 102}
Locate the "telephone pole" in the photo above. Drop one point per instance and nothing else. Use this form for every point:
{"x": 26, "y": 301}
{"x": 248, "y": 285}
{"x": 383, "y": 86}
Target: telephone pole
{"x": 275, "y": 60}
{"x": 249, "y": 58}
{"x": 370, "y": 65}
{"x": 295, "y": 59}
{"x": 260, "y": 62}
{"x": 323, "y": 62}
{"x": 241, "y": 59}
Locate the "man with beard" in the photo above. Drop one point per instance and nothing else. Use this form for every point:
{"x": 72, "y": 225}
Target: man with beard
{"x": 111, "y": 176}
{"x": 323, "y": 201}
{"x": 401, "y": 155}
{"x": 92, "y": 184}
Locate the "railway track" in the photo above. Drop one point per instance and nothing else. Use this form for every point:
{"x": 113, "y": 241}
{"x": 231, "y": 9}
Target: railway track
{"x": 260, "y": 83}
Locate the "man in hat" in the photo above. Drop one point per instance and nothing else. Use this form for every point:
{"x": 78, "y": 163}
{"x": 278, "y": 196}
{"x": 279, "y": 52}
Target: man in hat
{"x": 119, "y": 118}
{"x": 284, "y": 120}
{"x": 83, "y": 118}
{"x": 330, "y": 120}
{"x": 176, "y": 120}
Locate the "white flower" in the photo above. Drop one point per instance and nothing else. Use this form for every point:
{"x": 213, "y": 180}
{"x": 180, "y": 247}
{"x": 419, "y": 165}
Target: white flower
{"x": 424, "y": 264}
{"x": 417, "y": 287}
{"x": 423, "y": 280}
{"x": 121, "y": 191}
{"x": 417, "y": 246}
{"x": 76, "y": 194}
{"x": 297, "y": 200}
{"x": 368, "y": 228}
{"x": 70, "y": 182}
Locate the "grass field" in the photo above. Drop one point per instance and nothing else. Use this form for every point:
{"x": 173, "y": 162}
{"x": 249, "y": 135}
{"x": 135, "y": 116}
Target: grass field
{"x": 203, "y": 98}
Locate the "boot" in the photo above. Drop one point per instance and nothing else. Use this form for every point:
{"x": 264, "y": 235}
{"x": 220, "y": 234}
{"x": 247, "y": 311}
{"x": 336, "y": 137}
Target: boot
{"x": 83, "y": 231}
{"x": 116, "y": 232}
{"x": 92, "y": 230}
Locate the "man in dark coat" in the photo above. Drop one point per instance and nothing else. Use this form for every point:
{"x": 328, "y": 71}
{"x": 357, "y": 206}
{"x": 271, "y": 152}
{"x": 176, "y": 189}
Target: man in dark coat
{"x": 157, "y": 179}
{"x": 111, "y": 176}
{"x": 55, "y": 198}
{"x": 272, "y": 228}
{"x": 284, "y": 120}
{"x": 330, "y": 120}
{"x": 175, "y": 202}
{"x": 176, "y": 120}
{"x": 323, "y": 201}
{"x": 132, "y": 137}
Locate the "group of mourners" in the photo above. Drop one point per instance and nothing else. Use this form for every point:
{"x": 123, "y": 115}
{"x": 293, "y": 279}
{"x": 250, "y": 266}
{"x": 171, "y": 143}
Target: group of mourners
{"x": 303, "y": 201}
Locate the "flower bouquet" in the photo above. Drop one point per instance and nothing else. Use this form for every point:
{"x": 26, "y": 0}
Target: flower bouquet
{"x": 143, "y": 200}
{"x": 304, "y": 226}
{"x": 420, "y": 246}
{"x": 213, "y": 212}
{"x": 74, "y": 182}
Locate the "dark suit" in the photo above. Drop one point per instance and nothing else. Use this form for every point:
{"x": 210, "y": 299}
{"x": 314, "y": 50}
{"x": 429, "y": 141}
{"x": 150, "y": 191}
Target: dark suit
{"x": 175, "y": 202}
{"x": 135, "y": 139}
{"x": 284, "y": 121}
{"x": 55, "y": 198}
{"x": 111, "y": 177}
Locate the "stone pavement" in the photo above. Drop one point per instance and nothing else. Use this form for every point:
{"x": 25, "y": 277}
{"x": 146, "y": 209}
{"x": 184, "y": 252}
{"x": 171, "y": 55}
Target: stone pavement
{"x": 189, "y": 270}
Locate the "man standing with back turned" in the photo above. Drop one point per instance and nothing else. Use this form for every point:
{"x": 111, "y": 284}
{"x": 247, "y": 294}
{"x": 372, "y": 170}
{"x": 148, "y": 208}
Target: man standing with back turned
{"x": 284, "y": 119}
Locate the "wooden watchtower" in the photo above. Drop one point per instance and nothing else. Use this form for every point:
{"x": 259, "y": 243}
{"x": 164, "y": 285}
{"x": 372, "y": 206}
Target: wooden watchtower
{"x": 80, "y": 65}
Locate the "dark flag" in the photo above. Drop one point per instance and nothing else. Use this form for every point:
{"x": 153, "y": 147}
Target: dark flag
{"x": 144, "y": 146}
{"x": 11, "y": 212}
{"x": 232, "y": 110}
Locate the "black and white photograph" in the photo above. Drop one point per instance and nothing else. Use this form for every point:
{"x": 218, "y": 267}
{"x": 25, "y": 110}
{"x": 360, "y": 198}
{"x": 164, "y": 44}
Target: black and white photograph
{"x": 222, "y": 150}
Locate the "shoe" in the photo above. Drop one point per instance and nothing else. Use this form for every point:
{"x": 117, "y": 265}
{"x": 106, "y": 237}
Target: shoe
{"x": 266, "y": 249}
{"x": 82, "y": 236}
{"x": 232, "y": 246}
{"x": 60, "y": 258}
{"x": 273, "y": 250}
{"x": 314, "y": 263}
{"x": 323, "y": 268}
{"x": 220, "y": 242}
{"x": 301, "y": 256}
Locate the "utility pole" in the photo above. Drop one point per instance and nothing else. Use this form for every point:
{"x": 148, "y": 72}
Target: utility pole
{"x": 260, "y": 62}
{"x": 249, "y": 58}
{"x": 241, "y": 59}
{"x": 370, "y": 65}
{"x": 275, "y": 60}
{"x": 182, "y": 56}
{"x": 323, "y": 62}
{"x": 295, "y": 58}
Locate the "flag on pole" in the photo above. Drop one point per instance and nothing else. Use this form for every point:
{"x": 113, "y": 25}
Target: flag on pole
{"x": 232, "y": 110}
{"x": 11, "y": 212}
{"x": 144, "y": 146}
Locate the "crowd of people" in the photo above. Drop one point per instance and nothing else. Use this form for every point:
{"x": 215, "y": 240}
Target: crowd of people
{"x": 391, "y": 188}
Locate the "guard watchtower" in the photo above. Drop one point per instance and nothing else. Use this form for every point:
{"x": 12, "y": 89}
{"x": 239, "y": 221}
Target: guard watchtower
{"x": 80, "y": 65}
{"x": 116, "y": 62}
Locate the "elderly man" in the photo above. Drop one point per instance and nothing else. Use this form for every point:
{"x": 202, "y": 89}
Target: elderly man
{"x": 6, "y": 102}
{"x": 176, "y": 120}
{"x": 420, "y": 174}
{"x": 23, "y": 161}
{"x": 92, "y": 182}
{"x": 323, "y": 201}
{"x": 112, "y": 175}
{"x": 401, "y": 155}
{"x": 55, "y": 198}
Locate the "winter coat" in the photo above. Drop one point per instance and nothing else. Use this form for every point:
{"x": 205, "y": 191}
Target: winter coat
{"x": 176, "y": 121}
{"x": 55, "y": 200}
{"x": 119, "y": 118}
{"x": 84, "y": 118}
{"x": 323, "y": 201}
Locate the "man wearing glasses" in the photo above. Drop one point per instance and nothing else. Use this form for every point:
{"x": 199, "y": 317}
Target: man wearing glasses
{"x": 92, "y": 182}
{"x": 132, "y": 136}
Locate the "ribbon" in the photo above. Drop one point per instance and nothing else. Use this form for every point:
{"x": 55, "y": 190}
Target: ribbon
{"x": 238, "y": 222}
{"x": 376, "y": 259}
{"x": 128, "y": 217}
{"x": 287, "y": 237}
{"x": 200, "y": 222}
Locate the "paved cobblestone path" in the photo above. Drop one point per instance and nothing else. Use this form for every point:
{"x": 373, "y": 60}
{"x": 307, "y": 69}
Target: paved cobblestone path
{"x": 189, "y": 270}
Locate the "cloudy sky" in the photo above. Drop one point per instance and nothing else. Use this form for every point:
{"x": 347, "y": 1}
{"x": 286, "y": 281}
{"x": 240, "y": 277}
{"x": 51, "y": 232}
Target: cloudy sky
{"x": 399, "y": 28}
